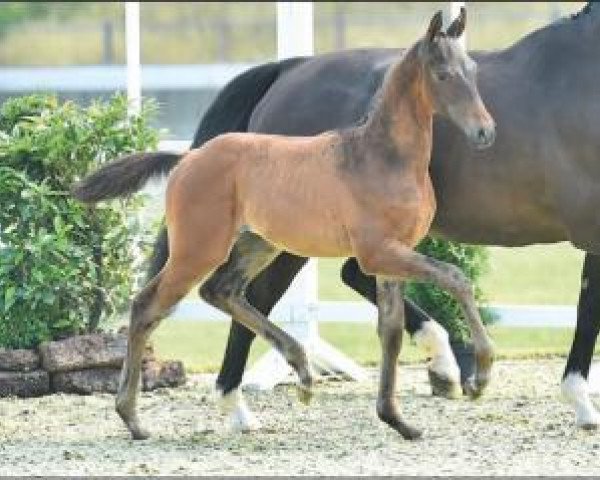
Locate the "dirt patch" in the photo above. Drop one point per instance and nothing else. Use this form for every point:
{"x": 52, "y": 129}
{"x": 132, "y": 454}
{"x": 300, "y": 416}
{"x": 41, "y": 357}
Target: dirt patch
{"x": 519, "y": 428}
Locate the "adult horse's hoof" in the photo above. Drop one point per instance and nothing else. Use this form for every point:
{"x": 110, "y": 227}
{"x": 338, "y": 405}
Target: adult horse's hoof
{"x": 473, "y": 388}
{"x": 443, "y": 386}
{"x": 575, "y": 391}
{"x": 239, "y": 417}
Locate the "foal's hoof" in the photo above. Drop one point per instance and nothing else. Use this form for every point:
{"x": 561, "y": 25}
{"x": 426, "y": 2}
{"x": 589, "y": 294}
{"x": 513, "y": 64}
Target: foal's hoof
{"x": 304, "y": 394}
{"x": 133, "y": 425}
{"x": 443, "y": 386}
{"x": 589, "y": 426}
{"x": 394, "y": 420}
{"x": 139, "y": 433}
{"x": 410, "y": 433}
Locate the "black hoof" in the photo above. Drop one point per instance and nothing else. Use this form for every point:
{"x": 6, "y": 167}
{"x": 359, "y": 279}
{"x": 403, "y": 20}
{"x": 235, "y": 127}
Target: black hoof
{"x": 473, "y": 389}
{"x": 442, "y": 386}
{"x": 411, "y": 433}
{"x": 395, "y": 421}
{"x": 139, "y": 433}
{"x": 465, "y": 357}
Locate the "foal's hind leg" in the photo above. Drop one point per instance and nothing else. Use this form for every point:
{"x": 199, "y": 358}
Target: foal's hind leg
{"x": 263, "y": 293}
{"x": 226, "y": 290}
{"x": 149, "y": 307}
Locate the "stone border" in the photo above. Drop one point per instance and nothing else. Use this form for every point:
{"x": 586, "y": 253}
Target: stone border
{"x": 82, "y": 364}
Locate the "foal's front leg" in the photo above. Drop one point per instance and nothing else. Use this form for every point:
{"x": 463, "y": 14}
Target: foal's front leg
{"x": 390, "y": 327}
{"x": 394, "y": 259}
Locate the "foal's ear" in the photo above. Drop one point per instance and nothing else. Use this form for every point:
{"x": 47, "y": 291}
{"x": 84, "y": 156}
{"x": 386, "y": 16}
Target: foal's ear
{"x": 435, "y": 27}
{"x": 457, "y": 27}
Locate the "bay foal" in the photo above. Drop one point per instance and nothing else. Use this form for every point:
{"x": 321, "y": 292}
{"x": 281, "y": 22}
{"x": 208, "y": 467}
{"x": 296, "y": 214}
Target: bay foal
{"x": 362, "y": 192}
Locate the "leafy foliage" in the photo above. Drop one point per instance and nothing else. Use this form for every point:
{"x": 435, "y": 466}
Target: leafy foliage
{"x": 472, "y": 260}
{"x": 63, "y": 265}
{"x": 13, "y": 13}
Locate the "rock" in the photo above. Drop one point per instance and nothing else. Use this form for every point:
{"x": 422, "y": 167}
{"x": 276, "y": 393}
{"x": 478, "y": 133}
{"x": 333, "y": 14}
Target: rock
{"x": 24, "y": 384}
{"x": 157, "y": 374}
{"x": 85, "y": 382}
{"x": 83, "y": 352}
{"x": 20, "y": 360}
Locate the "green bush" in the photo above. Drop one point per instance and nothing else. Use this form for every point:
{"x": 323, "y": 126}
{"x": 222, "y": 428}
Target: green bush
{"x": 64, "y": 266}
{"x": 472, "y": 260}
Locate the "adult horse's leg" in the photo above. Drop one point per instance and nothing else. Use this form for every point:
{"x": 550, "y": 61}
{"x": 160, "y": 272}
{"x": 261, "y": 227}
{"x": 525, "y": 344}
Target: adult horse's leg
{"x": 263, "y": 293}
{"x": 444, "y": 373}
{"x": 226, "y": 289}
{"x": 574, "y": 384}
{"x": 390, "y": 326}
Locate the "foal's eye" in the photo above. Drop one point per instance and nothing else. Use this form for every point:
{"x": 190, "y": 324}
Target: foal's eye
{"x": 441, "y": 76}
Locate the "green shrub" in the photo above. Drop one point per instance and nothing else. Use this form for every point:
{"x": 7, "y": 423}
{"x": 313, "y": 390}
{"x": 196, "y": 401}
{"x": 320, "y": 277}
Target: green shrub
{"x": 472, "y": 260}
{"x": 64, "y": 266}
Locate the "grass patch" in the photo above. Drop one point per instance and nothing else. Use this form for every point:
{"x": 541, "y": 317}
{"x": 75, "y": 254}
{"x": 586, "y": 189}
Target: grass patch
{"x": 537, "y": 275}
{"x": 201, "y": 344}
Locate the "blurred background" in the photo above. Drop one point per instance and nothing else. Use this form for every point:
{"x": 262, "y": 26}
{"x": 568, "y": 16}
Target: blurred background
{"x": 190, "y": 50}
{"x": 195, "y": 48}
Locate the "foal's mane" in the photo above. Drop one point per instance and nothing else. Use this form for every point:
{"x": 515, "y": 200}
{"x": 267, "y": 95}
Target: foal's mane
{"x": 409, "y": 55}
{"x": 584, "y": 11}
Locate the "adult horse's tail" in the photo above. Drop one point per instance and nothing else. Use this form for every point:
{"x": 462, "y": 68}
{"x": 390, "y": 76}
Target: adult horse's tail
{"x": 124, "y": 176}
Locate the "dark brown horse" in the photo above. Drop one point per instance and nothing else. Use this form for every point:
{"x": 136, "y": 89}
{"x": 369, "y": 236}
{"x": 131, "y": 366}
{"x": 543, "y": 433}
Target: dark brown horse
{"x": 538, "y": 183}
{"x": 362, "y": 192}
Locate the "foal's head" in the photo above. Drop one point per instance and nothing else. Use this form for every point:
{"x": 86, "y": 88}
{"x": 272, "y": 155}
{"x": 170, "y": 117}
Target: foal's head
{"x": 450, "y": 76}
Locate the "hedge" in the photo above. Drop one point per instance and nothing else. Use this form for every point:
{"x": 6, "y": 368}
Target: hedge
{"x": 65, "y": 268}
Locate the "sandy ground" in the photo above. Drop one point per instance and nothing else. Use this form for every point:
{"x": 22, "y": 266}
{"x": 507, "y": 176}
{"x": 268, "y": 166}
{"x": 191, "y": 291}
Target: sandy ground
{"x": 519, "y": 428}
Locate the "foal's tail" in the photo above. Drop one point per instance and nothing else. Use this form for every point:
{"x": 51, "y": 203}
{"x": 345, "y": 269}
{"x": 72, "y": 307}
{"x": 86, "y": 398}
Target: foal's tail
{"x": 124, "y": 176}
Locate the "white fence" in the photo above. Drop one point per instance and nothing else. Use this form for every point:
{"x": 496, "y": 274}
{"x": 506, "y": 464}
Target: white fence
{"x": 363, "y": 312}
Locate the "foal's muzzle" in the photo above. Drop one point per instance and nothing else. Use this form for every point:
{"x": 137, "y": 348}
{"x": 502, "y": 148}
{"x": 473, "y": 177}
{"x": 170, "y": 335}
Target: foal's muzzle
{"x": 485, "y": 137}
{"x": 482, "y": 137}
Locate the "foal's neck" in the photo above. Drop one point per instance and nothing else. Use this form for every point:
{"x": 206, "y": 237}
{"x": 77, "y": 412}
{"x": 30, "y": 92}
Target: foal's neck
{"x": 400, "y": 126}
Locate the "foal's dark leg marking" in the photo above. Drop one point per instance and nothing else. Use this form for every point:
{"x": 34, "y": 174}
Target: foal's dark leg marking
{"x": 263, "y": 292}
{"x": 390, "y": 328}
{"x": 443, "y": 383}
{"x": 143, "y": 322}
{"x": 226, "y": 290}
{"x": 574, "y": 385}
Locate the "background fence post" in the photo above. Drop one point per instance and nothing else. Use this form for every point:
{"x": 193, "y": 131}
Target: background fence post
{"x": 132, "y": 41}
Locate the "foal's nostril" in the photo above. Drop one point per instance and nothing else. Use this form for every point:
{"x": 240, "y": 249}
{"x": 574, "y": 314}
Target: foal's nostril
{"x": 486, "y": 136}
{"x": 483, "y": 137}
